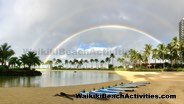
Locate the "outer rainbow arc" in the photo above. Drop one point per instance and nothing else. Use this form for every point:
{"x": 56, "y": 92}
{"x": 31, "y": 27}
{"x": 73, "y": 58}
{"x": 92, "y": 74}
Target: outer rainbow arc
{"x": 98, "y": 27}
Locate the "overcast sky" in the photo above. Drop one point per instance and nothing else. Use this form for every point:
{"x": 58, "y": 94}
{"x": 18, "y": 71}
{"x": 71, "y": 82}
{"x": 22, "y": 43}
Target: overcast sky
{"x": 35, "y": 24}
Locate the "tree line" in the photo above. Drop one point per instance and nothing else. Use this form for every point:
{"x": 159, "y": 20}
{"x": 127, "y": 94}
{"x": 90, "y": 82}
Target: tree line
{"x": 9, "y": 61}
{"x": 170, "y": 55}
{"x": 163, "y": 56}
{"x": 81, "y": 63}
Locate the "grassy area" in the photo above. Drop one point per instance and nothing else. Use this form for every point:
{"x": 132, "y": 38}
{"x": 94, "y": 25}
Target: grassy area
{"x": 121, "y": 69}
{"x": 149, "y": 70}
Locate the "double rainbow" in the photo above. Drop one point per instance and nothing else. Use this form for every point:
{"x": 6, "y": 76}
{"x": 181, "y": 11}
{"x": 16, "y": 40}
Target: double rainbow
{"x": 101, "y": 27}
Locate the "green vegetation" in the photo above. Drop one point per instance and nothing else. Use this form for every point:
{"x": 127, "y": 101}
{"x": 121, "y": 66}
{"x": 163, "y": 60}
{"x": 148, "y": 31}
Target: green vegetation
{"x": 56, "y": 64}
{"x": 170, "y": 57}
{"x": 19, "y": 72}
{"x": 17, "y": 66}
{"x": 56, "y": 68}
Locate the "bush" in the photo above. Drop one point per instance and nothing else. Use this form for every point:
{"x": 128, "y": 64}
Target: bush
{"x": 120, "y": 69}
{"x": 119, "y": 66}
{"x": 174, "y": 69}
{"x": 82, "y": 69}
{"x": 110, "y": 66}
{"x": 140, "y": 68}
{"x": 19, "y": 72}
{"x": 3, "y": 67}
{"x": 169, "y": 69}
{"x": 143, "y": 69}
{"x": 26, "y": 69}
{"x": 57, "y": 67}
{"x": 180, "y": 69}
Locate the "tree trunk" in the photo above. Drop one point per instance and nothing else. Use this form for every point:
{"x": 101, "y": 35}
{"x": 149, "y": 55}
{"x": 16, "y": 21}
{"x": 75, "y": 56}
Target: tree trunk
{"x": 2, "y": 62}
{"x": 29, "y": 66}
{"x": 164, "y": 64}
{"x": 112, "y": 61}
{"x": 155, "y": 64}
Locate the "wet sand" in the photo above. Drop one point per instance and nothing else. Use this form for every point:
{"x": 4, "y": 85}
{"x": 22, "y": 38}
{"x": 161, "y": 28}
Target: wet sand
{"x": 161, "y": 83}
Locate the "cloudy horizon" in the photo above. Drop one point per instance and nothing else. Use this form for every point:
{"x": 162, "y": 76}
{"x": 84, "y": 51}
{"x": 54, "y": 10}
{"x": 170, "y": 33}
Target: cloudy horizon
{"x": 43, "y": 24}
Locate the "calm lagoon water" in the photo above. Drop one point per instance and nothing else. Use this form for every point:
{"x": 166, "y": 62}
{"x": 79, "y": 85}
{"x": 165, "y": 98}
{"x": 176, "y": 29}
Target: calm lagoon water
{"x": 58, "y": 78}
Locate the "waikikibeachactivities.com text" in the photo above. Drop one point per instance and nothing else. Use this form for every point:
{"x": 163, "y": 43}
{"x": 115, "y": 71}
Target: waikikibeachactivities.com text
{"x": 125, "y": 96}
{"x": 61, "y": 51}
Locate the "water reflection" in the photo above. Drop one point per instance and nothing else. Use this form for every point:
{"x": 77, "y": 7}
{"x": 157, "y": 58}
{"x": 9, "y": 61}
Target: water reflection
{"x": 58, "y": 78}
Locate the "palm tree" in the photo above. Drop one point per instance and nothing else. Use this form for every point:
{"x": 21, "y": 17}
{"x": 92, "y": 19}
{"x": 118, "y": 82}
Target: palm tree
{"x": 80, "y": 63}
{"x": 71, "y": 62}
{"x": 18, "y": 63}
{"x": 162, "y": 52}
{"x": 155, "y": 55}
{"x": 54, "y": 61}
{"x": 34, "y": 59}
{"x": 76, "y": 63}
{"x": 49, "y": 62}
{"x": 139, "y": 58}
{"x": 58, "y": 61}
{"x": 121, "y": 60}
{"x": 102, "y": 62}
{"x": 126, "y": 56}
{"x": 66, "y": 63}
{"x": 112, "y": 58}
{"x": 96, "y": 60}
{"x": 86, "y": 61}
{"x": 5, "y": 53}
{"x": 132, "y": 54}
{"x": 175, "y": 49}
{"x": 30, "y": 59}
{"x": 135, "y": 57}
{"x": 147, "y": 52}
{"x": 91, "y": 60}
{"x": 23, "y": 59}
{"x": 107, "y": 59}
{"x": 13, "y": 61}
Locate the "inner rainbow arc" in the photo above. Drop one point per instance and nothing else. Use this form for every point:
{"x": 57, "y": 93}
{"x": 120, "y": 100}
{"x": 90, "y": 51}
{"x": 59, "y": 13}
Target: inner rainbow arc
{"x": 101, "y": 27}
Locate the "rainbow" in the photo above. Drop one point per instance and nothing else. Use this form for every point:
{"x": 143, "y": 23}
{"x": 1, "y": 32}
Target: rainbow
{"x": 101, "y": 27}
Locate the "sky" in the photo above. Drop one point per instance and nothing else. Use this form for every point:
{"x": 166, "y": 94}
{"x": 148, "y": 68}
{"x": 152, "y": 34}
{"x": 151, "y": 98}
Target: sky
{"x": 43, "y": 24}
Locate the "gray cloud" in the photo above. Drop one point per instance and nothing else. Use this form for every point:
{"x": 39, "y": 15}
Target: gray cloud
{"x": 45, "y": 23}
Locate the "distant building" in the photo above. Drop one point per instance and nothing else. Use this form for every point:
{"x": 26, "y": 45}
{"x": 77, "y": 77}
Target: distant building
{"x": 181, "y": 30}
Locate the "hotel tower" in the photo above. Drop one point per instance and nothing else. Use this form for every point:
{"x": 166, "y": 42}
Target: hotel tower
{"x": 181, "y": 30}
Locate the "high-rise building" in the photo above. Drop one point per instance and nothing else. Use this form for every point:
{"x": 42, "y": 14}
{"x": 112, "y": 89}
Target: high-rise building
{"x": 181, "y": 30}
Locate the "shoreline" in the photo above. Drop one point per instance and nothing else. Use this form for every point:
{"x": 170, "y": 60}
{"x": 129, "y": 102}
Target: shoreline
{"x": 161, "y": 83}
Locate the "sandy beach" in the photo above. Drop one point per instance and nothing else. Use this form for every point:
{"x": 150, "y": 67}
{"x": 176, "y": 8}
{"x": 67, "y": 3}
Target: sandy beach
{"x": 161, "y": 83}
